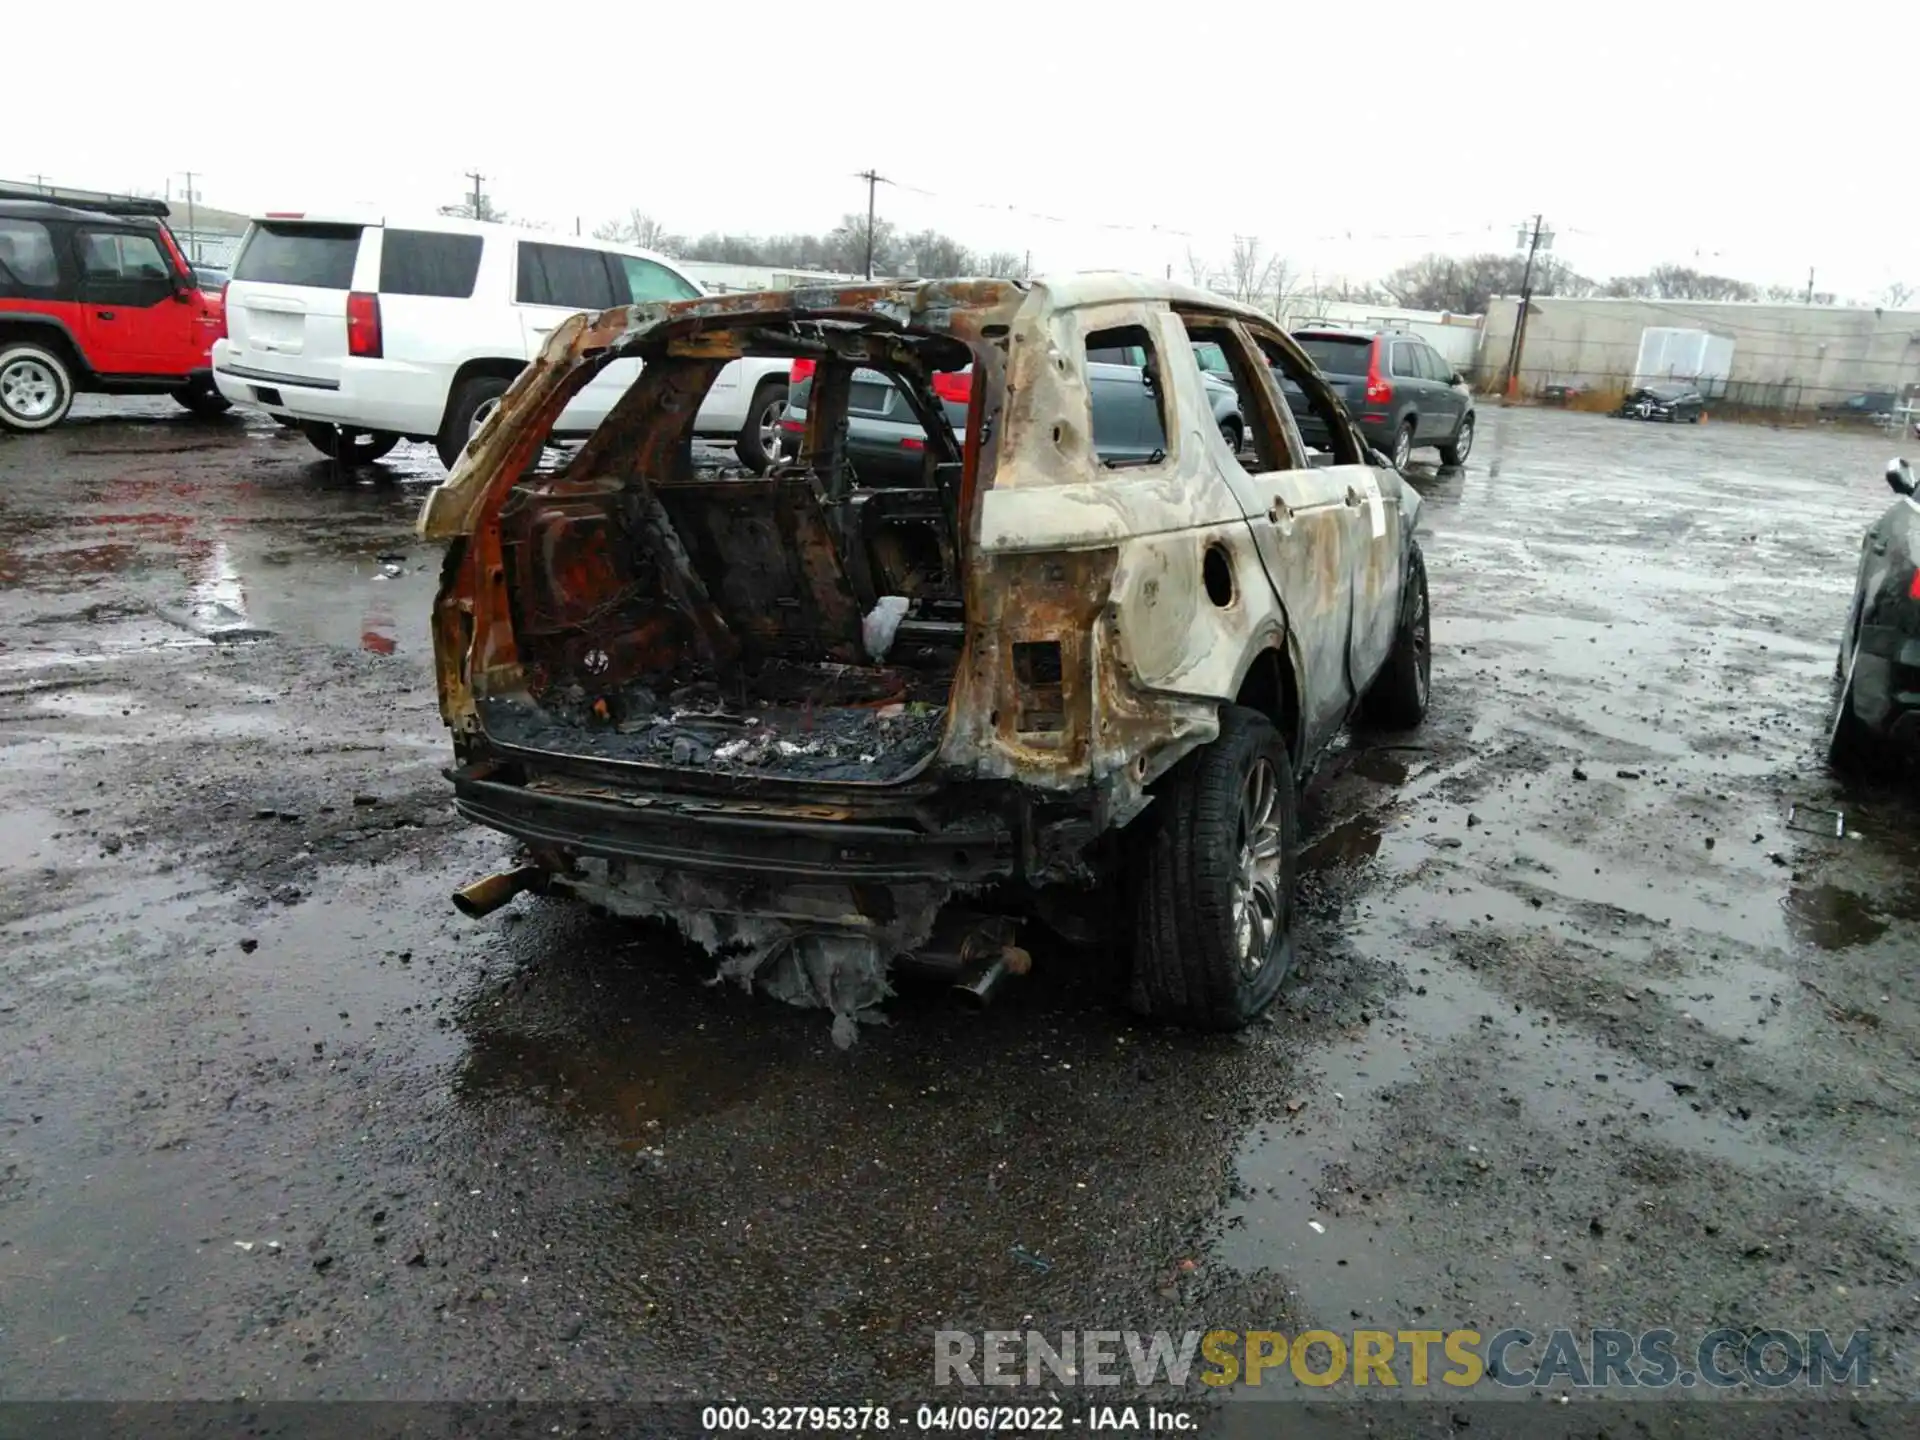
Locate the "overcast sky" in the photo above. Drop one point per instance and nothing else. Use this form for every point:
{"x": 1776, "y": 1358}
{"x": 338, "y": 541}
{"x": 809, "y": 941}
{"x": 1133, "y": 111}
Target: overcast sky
{"x": 1754, "y": 141}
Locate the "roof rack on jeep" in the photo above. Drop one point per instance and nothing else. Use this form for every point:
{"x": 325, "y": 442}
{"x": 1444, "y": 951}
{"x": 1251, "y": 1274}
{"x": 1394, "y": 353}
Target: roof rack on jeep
{"x": 97, "y": 201}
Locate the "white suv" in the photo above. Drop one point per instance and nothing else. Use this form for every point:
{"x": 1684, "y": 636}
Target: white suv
{"x": 364, "y": 332}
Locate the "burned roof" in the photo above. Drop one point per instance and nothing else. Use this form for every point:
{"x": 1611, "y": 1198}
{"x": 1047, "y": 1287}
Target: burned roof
{"x": 901, "y": 305}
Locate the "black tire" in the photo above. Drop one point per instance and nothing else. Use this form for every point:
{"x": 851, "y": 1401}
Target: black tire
{"x": 1197, "y": 957}
{"x": 348, "y": 445}
{"x": 473, "y": 396}
{"x": 286, "y": 422}
{"x": 36, "y": 389}
{"x": 1456, "y": 450}
{"x": 1397, "y": 699}
{"x": 1403, "y": 445}
{"x": 763, "y": 424}
{"x": 1231, "y": 432}
{"x": 203, "y": 399}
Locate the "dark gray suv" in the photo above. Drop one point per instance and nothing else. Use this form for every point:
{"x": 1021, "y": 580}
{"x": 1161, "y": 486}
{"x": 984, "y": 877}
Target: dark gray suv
{"x": 1398, "y": 389}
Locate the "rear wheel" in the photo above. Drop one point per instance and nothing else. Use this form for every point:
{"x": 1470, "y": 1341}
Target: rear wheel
{"x": 203, "y": 399}
{"x": 1213, "y": 881}
{"x": 1851, "y": 747}
{"x": 1456, "y": 450}
{"x": 1398, "y": 699}
{"x": 473, "y": 405}
{"x": 1403, "y": 446}
{"x": 35, "y": 389}
{"x": 759, "y": 444}
{"x": 1230, "y": 432}
{"x": 348, "y": 444}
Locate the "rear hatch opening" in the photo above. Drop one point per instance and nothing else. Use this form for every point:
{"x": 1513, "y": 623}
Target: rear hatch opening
{"x": 682, "y": 617}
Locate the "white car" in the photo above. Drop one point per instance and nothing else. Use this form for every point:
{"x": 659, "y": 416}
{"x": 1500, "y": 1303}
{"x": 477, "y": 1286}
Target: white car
{"x": 363, "y": 332}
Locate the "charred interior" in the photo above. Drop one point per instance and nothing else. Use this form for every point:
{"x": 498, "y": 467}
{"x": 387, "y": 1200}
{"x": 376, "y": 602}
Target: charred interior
{"x": 807, "y": 623}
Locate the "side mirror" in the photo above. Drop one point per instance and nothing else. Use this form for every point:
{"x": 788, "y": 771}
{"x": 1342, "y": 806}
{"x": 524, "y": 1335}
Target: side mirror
{"x": 1458, "y": 379}
{"x": 183, "y": 287}
{"x": 1900, "y": 477}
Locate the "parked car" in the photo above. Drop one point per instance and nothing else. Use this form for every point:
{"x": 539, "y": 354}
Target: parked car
{"x": 1672, "y": 401}
{"x": 1398, "y": 389}
{"x": 886, "y": 441}
{"x": 1863, "y": 405}
{"x": 826, "y": 727}
{"x": 1564, "y": 392}
{"x": 368, "y": 332}
{"x": 210, "y": 278}
{"x": 1878, "y": 706}
{"x": 98, "y": 300}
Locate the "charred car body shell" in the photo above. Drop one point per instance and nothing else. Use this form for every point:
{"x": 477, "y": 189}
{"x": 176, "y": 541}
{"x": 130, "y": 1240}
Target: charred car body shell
{"x": 1880, "y": 648}
{"x": 1100, "y": 618}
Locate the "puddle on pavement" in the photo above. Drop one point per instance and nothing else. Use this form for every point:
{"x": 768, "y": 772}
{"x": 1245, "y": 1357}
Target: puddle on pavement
{"x": 589, "y": 1027}
{"x": 1831, "y": 918}
{"x": 1353, "y": 841}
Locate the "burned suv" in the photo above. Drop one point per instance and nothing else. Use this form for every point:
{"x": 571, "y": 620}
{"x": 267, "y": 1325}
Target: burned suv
{"x": 826, "y": 729}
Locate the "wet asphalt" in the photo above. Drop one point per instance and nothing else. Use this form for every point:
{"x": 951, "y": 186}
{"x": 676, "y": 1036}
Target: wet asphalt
{"x": 1597, "y": 1020}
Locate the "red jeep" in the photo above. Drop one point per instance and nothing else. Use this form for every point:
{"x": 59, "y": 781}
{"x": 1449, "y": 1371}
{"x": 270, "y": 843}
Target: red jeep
{"x": 97, "y": 296}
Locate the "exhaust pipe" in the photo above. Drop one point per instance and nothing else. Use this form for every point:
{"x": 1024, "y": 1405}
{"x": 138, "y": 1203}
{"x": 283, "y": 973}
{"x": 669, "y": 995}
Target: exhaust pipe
{"x": 979, "y": 981}
{"x": 488, "y": 894}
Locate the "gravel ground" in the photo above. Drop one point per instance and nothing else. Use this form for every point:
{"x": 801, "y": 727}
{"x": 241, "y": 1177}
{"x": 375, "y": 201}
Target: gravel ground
{"x": 1585, "y": 1030}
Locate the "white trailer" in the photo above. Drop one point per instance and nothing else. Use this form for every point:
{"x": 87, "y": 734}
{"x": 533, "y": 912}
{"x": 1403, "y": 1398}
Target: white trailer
{"x": 1699, "y": 357}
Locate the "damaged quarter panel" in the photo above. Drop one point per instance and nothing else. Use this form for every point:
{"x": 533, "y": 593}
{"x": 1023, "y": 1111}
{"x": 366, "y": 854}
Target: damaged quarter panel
{"x": 1100, "y": 571}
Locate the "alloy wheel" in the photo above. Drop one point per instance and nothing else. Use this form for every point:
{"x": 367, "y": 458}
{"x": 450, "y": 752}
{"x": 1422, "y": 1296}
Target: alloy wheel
{"x": 769, "y": 427}
{"x": 1258, "y": 902}
{"x": 29, "y": 389}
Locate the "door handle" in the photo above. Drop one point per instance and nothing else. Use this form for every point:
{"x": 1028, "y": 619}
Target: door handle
{"x": 103, "y": 315}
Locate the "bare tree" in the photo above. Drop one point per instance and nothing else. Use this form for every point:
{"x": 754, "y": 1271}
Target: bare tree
{"x": 937, "y": 254}
{"x": 1463, "y": 284}
{"x": 1679, "y": 282}
{"x": 1797, "y": 295}
{"x": 1249, "y": 271}
{"x": 1896, "y": 296}
{"x": 1002, "y": 265}
{"x": 1199, "y": 272}
{"x": 847, "y": 245}
{"x": 640, "y": 228}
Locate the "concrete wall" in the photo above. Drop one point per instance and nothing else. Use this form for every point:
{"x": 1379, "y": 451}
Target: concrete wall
{"x": 1784, "y": 356}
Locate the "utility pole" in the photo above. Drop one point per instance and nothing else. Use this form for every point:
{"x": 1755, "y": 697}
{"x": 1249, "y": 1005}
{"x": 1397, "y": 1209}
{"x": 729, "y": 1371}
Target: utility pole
{"x": 1541, "y": 238}
{"x": 193, "y": 242}
{"x": 478, "y": 200}
{"x": 873, "y": 180}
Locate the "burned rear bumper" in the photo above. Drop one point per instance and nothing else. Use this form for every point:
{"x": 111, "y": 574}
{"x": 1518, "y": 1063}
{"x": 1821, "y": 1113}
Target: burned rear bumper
{"x": 716, "y": 838}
